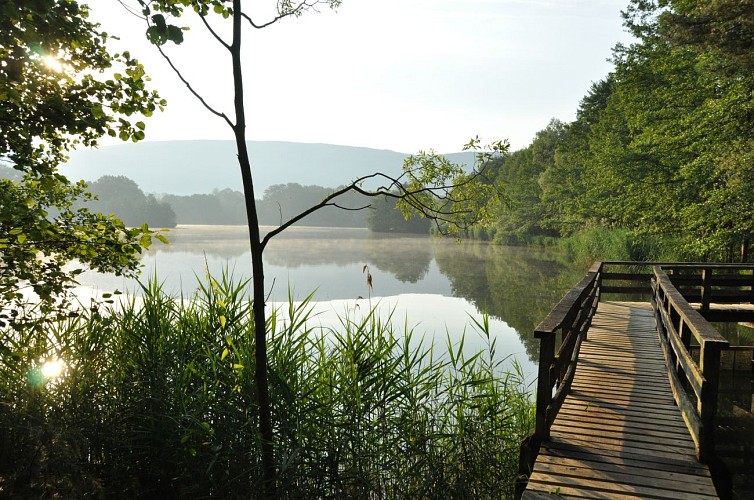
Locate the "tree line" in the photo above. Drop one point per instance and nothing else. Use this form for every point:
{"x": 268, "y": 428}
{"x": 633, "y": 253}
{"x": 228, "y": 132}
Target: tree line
{"x": 122, "y": 196}
{"x": 661, "y": 148}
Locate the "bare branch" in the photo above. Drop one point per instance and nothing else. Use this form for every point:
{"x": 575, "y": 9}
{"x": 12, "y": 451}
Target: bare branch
{"x": 260, "y": 26}
{"x": 193, "y": 91}
{"x": 349, "y": 209}
{"x": 394, "y": 189}
{"x": 283, "y": 13}
{"x": 213, "y": 32}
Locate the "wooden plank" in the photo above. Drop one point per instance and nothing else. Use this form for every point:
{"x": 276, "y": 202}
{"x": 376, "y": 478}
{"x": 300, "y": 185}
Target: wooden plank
{"x": 619, "y": 433}
{"x": 638, "y": 469}
{"x": 683, "y": 484}
{"x": 640, "y": 444}
{"x": 659, "y": 458}
{"x": 615, "y": 487}
{"x": 609, "y": 411}
{"x": 629, "y": 427}
{"x": 618, "y": 386}
{"x": 563, "y": 450}
{"x": 671, "y": 422}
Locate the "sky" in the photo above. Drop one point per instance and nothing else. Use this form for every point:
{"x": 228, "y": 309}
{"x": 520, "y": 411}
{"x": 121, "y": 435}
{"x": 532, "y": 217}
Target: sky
{"x": 404, "y": 75}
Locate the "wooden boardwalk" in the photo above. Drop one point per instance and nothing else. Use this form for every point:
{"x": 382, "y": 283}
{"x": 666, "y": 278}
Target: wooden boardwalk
{"x": 619, "y": 433}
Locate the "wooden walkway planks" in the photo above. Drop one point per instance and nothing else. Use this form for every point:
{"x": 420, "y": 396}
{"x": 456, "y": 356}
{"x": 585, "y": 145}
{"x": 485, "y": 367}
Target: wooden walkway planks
{"x": 619, "y": 433}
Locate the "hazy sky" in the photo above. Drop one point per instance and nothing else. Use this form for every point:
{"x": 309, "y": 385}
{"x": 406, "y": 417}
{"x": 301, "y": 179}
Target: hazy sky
{"x": 390, "y": 74}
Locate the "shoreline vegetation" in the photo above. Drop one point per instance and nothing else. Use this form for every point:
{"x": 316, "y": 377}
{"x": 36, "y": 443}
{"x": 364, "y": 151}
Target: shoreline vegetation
{"x": 155, "y": 398}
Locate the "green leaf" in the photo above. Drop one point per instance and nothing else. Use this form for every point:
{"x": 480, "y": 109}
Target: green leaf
{"x": 156, "y": 36}
{"x": 175, "y": 34}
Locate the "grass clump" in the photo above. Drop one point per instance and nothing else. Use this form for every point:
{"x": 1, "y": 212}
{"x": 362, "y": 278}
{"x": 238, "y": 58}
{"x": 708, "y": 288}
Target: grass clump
{"x": 600, "y": 244}
{"x": 156, "y": 399}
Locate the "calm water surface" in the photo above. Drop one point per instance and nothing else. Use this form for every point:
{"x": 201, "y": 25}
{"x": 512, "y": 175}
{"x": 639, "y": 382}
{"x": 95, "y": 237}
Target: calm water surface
{"x": 433, "y": 285}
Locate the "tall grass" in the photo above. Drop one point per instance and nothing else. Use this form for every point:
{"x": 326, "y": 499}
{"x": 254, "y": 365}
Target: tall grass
{"x": 601, "y": 243}
{"x": 157, "y": 400}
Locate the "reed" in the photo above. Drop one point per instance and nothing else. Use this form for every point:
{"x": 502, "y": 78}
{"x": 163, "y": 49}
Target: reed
{"x": 157, "y": 399}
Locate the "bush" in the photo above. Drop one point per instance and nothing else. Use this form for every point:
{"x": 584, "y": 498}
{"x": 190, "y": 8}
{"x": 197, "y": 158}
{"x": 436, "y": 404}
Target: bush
{"x": 600, "y": 243}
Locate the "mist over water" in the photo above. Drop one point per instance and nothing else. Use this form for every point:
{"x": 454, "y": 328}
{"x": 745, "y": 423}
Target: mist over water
{"x": 435, "y": 286}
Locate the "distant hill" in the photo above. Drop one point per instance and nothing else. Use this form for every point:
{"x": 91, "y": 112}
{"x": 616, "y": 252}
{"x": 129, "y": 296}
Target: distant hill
{"x": 188, "y": 167}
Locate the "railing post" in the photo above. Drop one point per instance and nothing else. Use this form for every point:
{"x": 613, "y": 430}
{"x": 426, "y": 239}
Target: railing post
{"x": 544, "y": 384}
{"x": 684, "y": 333}
{"x": 706, "y": 289}
{"x": 709, "y": 364}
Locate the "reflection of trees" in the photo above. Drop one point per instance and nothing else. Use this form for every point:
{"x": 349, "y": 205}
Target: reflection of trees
{"x": 406, "y": 258}
{"x": 516, "y": 285}
{"x": 224, "y": 242}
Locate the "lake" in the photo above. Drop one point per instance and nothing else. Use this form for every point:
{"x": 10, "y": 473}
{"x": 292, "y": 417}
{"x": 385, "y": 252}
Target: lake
{"x": 433, "y": 285}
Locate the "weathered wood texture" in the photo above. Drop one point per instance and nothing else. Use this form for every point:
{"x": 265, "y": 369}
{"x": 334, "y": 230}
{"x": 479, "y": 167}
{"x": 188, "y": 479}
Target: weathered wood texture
{"x": 619, "y": 433}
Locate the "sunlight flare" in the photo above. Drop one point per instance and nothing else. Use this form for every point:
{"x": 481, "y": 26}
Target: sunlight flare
{"x": 53, "y": 368}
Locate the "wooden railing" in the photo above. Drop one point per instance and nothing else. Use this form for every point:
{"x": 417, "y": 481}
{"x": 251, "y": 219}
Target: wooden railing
{"x": 720, "y": 284}
{"x": 568, "y": 322}
{"x": 570, "y": 318}
{"x": 679, "y": 325}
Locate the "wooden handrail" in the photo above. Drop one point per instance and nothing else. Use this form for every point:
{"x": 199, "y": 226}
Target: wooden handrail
{"x": 677, "y": 324}
{"x": 571, "y": 317}
{"x": 722, "y": 284}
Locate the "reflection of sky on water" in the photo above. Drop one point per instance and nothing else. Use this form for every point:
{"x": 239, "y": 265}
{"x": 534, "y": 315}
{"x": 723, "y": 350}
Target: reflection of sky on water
{"x": 434, "y": 318}
{"x": 328, "y": 261}
{"x": 178, "y": 271}
{"x": 434, "y": 283}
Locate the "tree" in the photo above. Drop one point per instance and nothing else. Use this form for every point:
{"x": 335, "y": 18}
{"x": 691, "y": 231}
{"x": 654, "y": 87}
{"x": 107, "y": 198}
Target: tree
{"x": 120, "y": 195}
{"x": 676, "y": 130}
{"x": 430, "y": 185}
{"x": 525, "y": 214}
{"x": 59, "y": 88}
{"x": 385, "y": 217}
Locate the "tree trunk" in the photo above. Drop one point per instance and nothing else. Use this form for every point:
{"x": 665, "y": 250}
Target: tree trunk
{"x": 745, "y": 250}
{"x": 260, "y": 352}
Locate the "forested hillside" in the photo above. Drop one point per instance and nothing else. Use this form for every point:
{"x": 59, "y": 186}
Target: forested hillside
{"x": 662, "y": 149}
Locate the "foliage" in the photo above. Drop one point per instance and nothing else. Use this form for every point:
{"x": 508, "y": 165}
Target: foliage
{"x": 385, "y": 217}
{"x": 454, "y": 197}
{"x": 122, "y": 196}
{"x": 660, "y": 149}
{"x": 59, "y": 87}
{"x": 520, "y": 173}
{"x": 28, "y": 231}
{"x": 156, "y": 400}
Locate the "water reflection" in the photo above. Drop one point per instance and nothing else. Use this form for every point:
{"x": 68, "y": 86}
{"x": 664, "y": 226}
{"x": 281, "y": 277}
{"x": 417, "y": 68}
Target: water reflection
{"x": 517, "y": 285}
{"x": 514, "y": 285}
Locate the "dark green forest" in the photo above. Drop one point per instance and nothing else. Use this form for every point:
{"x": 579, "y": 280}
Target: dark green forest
{"x": 661, "y": 150}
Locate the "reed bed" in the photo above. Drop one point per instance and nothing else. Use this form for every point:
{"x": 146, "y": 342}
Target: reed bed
{"x": 156, "y": 399}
